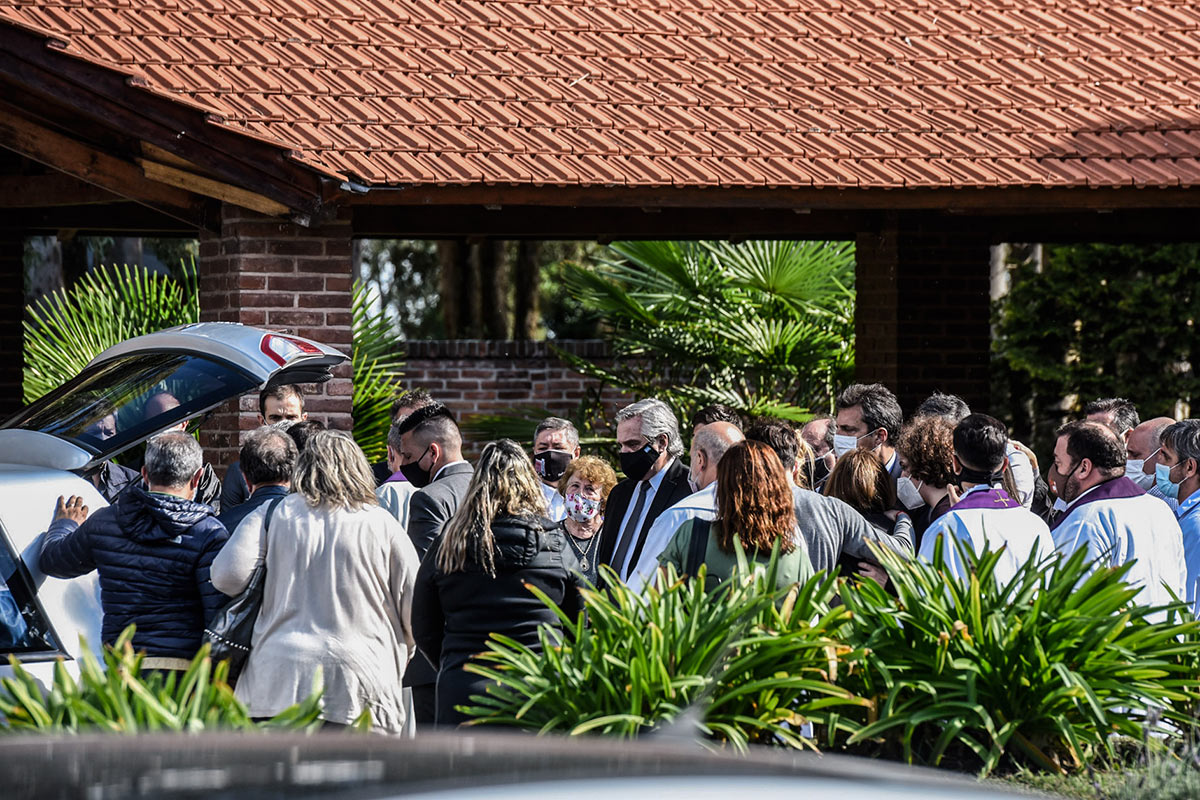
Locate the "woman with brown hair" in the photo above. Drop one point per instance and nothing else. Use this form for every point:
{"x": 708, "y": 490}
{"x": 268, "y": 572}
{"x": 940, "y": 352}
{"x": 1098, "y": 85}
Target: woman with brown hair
{"x": 474, "y": 580}
{"x": 860, "y": 480}
{"x": 926, "y": 446}
{"x": 754, "y": 508}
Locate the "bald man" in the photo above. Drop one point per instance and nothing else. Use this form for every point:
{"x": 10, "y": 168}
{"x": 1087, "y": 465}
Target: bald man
{"x": 1143, "y": 446}
{"x": 709, "y": 443}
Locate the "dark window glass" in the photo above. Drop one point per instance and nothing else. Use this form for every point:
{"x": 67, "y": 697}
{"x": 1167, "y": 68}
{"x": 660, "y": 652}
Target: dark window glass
{"x": 23, "y": 626}
{"x": 112, "y": 406}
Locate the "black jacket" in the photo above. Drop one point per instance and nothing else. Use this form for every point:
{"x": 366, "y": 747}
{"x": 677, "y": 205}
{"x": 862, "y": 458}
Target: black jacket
{"x": 674, "y": 488}
{"x": 153, "y": 553}
{"x": 455, "y": 613}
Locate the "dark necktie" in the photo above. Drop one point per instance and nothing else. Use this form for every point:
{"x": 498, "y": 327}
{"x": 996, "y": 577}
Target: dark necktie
{"x": 630, "y": 532}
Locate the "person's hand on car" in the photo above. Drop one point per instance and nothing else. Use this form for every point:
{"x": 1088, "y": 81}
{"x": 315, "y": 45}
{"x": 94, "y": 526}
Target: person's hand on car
{"x": 72, "y": 508}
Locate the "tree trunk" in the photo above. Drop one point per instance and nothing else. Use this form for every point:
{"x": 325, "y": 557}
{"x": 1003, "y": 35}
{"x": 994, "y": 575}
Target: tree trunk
{"x": 452, "y": 281}
{"x": 493, "y": 283}
{"x": 527, "y": 289}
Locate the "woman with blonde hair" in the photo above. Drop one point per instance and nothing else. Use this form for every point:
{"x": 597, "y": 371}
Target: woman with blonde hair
{"x": 754, "y": 508}
{"x": 337, "y": 596}
{"x": 473, "y": 581}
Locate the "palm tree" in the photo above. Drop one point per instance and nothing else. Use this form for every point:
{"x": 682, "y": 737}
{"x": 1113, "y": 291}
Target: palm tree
{"x": 766, "y": 327}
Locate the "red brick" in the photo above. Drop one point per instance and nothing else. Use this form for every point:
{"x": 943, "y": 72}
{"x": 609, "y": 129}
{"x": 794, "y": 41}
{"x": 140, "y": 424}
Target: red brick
{"x": 297, "y": 283}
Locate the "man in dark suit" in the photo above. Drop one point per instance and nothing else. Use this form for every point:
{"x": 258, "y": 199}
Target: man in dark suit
{"x": 431, "y": 459}
{"x": 648, "y": 435}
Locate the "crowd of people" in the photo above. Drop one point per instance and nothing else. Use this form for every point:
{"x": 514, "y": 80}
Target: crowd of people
{"x": 389, "y": 578}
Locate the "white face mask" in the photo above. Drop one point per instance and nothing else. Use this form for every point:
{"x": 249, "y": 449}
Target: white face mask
{"x": 844, "y": 444}
{"x": 909, "y": 494}
{"x": 1133, "y": 471}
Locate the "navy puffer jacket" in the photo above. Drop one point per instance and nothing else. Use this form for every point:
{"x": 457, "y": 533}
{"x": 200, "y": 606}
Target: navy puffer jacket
{"x": 153, "y": 552}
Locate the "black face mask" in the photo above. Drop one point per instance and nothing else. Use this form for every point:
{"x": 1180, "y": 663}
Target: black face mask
{"x": 978, "y": 476}
{"x": 820, "y": 471}
{"x": 551, "y": 464}
{"x": 635, "y": 465}
{"x": 414, "y": 473}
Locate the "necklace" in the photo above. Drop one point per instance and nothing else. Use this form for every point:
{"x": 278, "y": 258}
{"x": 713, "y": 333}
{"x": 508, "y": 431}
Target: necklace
{"x": 583, "y": 552}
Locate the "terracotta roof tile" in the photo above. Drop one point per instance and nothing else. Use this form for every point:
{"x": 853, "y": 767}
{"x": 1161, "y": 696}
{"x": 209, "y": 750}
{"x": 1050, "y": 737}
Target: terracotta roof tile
{"x": 749, "y": 93}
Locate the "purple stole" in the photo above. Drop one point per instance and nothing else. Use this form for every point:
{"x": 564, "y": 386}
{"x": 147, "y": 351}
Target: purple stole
{"x": 396, "y": 477}
{"x": 985, "y": 499}
{"x": 1115, "y": 489}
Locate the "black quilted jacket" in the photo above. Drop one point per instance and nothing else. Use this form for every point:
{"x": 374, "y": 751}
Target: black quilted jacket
{"x": 153, "y": 553}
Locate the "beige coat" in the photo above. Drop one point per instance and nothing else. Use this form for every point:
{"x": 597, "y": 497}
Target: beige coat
{"x": 338, "y": 597}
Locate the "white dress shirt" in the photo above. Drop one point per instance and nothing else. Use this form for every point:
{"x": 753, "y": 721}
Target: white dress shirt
{"x": 654, "y": 482}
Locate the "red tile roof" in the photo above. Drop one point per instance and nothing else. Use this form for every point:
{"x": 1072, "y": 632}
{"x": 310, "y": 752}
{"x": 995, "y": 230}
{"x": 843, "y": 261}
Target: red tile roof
{"x": 746, "y": 93}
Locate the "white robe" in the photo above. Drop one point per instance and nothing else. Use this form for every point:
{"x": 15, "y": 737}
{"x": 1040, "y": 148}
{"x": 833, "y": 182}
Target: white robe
{"x": 1118, "y": 530}
{"x": 1021, "y": 532}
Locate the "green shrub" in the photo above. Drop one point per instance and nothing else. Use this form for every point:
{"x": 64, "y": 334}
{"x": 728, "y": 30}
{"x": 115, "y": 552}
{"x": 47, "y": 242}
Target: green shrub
{"x": 755, "y": 662}
{"x": 118, "y": 698}
{"x": 1042, "y": 669}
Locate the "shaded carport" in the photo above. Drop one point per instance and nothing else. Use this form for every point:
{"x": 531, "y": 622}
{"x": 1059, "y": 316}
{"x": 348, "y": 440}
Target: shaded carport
{"x": 276, "y": 132}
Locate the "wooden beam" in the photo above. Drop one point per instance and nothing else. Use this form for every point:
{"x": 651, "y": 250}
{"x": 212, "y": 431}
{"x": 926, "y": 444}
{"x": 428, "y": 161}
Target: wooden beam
{"x": 116, "y": 219}
{"x": 192, "y": 182}
{"x": 115, "y": 101}
{"x": 1017, "y": 199}
{"x": 91, "y": 166}
{"x": 156, "y": 153}
{"x": 48, "y": 191}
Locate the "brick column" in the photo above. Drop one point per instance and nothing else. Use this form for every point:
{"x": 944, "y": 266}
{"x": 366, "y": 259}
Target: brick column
{"x": 264, "y": 272}
{"x": 12, "y": 312}
{"x": 929, "y": 283}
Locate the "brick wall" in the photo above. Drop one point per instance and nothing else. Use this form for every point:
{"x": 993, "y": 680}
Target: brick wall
{"x": 482, "y": 377}
{"x": 260, "y": 271}
{"x": 923, "y": 311}
{"x": 12, "y": 311}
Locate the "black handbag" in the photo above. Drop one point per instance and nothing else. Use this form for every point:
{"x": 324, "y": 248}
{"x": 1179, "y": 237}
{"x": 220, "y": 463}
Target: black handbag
{"x": 230, "y": 632}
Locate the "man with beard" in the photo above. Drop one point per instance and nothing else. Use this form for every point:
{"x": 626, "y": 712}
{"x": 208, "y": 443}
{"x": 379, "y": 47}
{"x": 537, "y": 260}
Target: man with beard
{"x": 1112, "y": 517}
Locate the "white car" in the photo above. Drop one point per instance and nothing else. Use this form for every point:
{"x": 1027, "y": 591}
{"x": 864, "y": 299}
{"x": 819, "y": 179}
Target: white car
{"x": 95, "y": 416}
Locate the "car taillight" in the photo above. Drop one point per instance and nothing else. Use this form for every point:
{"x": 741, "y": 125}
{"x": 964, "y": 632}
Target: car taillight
{"x": 283, "y": 349}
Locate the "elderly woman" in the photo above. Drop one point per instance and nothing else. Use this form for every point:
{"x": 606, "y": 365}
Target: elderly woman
{"x": 337, "y": 596}
{"x": 474, "y": 580}
{"x": 584, "y": 488}
{"x": 754, "y": 508}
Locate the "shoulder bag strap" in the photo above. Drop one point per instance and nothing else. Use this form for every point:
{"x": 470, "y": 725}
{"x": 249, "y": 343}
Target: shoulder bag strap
{"x": 697, "y": 546}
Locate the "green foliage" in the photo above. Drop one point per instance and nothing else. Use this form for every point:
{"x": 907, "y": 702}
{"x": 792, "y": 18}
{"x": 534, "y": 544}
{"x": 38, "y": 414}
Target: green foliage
{"x": 1042, "y": 668}
{"x": 67, "y": 329}
{"x": 118, "y": 698}
{"x": 756, "y": 662}
{"x": 764, "y": 327}
{"x": 1098, "y": 321}
{"x": 377, "y": 368}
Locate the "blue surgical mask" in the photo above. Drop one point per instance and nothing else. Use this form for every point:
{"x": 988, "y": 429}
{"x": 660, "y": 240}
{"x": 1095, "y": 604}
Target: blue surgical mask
{"x": 1162, "y": 479}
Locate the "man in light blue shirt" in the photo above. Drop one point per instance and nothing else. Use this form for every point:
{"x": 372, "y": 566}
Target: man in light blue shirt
{"x": 1177, "y": 476}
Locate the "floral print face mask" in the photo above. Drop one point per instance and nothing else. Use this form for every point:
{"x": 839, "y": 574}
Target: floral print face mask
{"x": 580, "y": 508}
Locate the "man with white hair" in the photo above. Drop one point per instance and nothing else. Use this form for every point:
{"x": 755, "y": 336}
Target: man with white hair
{"x": 650, "y": 446}
{"x": 709, "y": 443}
{"x": 153, "y": 549}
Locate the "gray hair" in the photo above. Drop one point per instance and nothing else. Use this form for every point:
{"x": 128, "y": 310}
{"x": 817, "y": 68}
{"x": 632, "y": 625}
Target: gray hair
{"x": 657, "y": 420}
{"x": 558, "y": 424}
{"x": 1184, "y": 438}
{"x": 172, "y": 459}
{"x": 332, "y": 471}
{"x": 714, "y": 441}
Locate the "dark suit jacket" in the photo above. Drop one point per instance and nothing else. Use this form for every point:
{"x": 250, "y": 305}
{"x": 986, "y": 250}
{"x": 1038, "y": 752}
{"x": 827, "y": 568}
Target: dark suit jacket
{"x": 429, "y": 510}
{"x": 674, "y": 488}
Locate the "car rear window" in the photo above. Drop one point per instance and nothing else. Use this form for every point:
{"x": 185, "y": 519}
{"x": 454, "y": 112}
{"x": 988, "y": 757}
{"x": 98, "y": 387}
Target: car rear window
{"x": 115, "y": 405}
